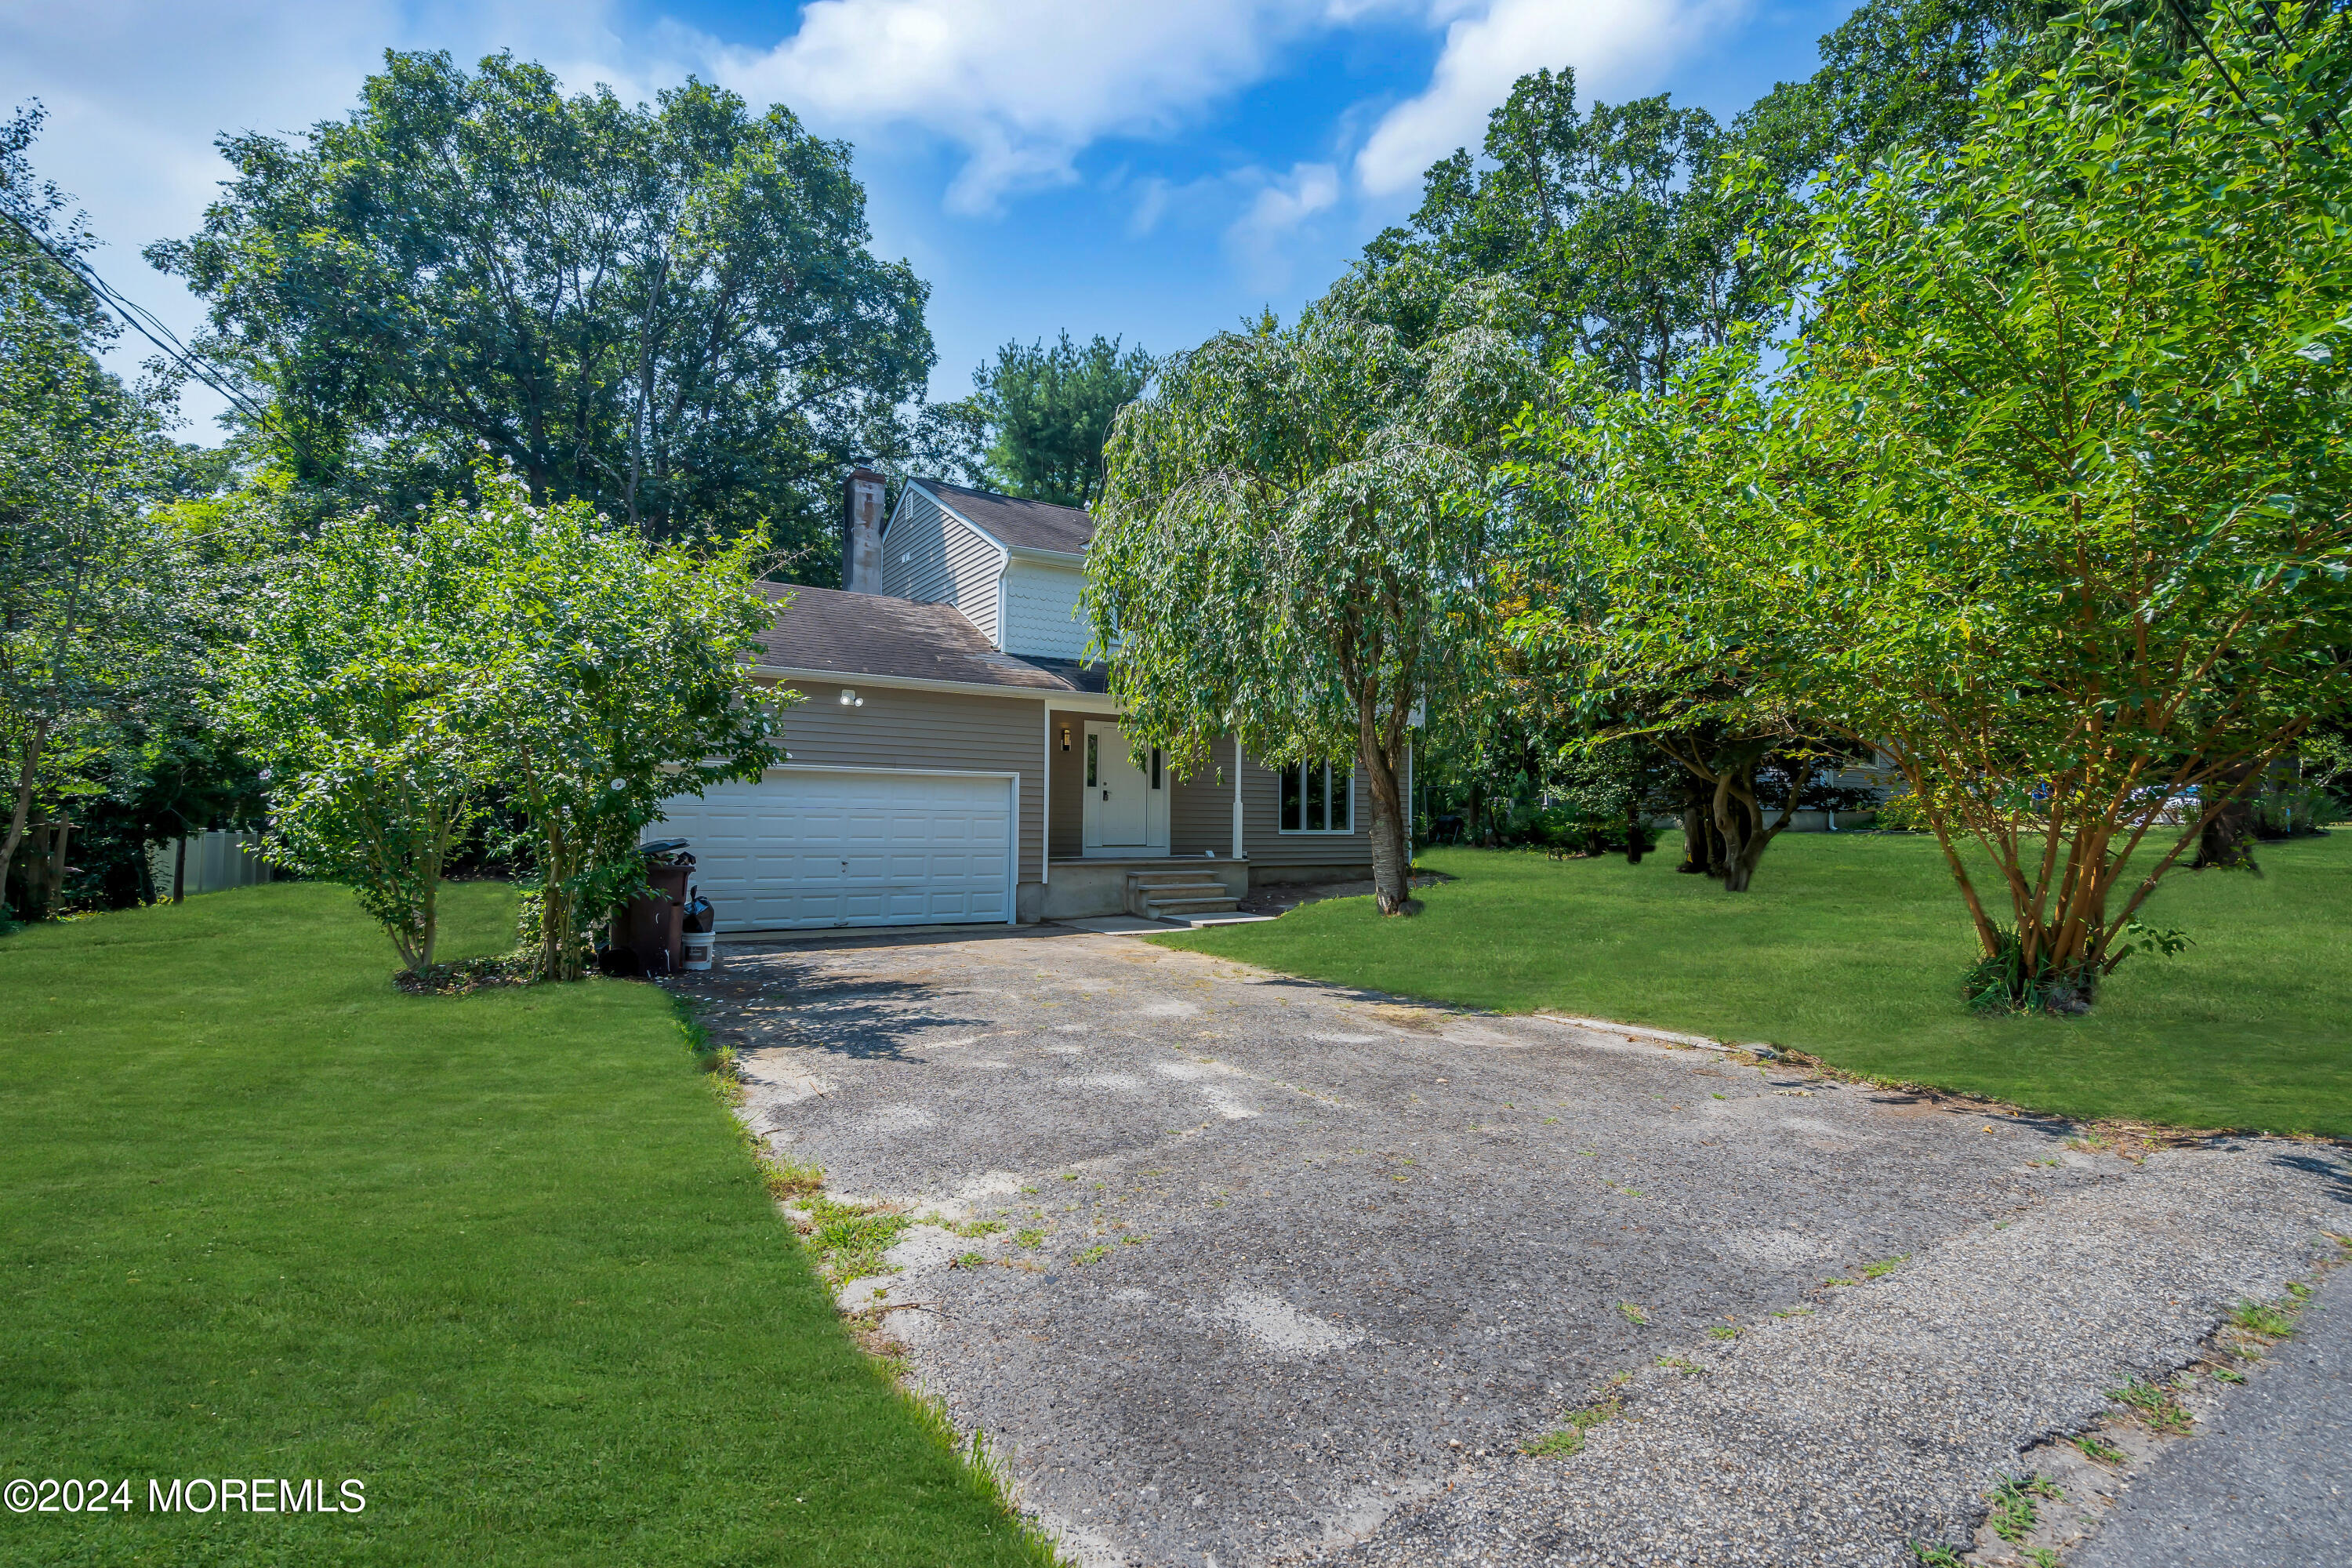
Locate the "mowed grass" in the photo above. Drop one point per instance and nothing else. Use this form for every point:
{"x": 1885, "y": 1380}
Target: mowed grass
{"x": 1852, "y": 947}
{"x": 501, "y": 1258}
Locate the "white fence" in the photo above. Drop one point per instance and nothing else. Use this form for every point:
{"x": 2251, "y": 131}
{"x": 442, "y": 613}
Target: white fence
{"x": 216, "y": 860}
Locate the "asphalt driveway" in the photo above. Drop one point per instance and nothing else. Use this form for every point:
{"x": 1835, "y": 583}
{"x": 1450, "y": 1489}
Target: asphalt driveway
{"x": 1288, "y": 1274}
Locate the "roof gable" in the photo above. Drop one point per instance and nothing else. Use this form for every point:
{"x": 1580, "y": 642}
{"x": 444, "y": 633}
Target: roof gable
{"x": 1020, "y": 524}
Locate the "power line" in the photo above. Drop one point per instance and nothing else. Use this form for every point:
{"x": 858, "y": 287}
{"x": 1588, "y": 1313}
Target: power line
{"x": 141, "y": 320}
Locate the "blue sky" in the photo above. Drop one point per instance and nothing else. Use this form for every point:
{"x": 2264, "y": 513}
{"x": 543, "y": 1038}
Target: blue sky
{"x": 1153, "y": 171}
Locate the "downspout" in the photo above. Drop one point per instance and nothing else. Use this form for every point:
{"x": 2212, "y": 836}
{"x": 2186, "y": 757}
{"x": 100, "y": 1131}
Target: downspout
{"x": 1239, "y": 853}
{"x": 1046, "y": 800}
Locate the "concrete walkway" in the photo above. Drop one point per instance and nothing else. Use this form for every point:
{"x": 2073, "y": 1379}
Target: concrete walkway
{"x": 1288, "y": 1274}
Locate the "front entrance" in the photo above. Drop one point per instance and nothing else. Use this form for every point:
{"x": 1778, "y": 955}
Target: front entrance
{"x": 1126, "y": 807}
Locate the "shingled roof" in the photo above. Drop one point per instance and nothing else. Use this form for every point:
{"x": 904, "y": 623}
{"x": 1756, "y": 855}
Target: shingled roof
{"x": 875, "y": 634}
{"x": 1022, "y": 524}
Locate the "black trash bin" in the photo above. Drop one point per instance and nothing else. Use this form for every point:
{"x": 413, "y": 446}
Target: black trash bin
{"x": 656, "y": 935}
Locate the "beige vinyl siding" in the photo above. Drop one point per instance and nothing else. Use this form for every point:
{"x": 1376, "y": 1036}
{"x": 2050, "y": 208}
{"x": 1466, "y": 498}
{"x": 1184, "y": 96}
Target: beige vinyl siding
{"x": 937, "y": 731}
{"x": 933, "y": 557}
{"x": 1065, "y": 804}
{"x": 1200, "y": 813}
{"x": 1269, "y": 847}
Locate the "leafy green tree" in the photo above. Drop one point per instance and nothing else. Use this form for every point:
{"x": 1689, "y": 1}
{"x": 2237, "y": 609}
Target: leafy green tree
{"x": 347, "y": 688}
{"x": 1294, "y": 530}
{"x": 2054, "y": 502}
{"x": 669, "y": 313}
{"x": 613, "y": 676}
{"x": 403, "y": 674}
{"x": 85, "y": 598}
{"x": 1619, "y": 223}
{"x": 1038, "y": 418}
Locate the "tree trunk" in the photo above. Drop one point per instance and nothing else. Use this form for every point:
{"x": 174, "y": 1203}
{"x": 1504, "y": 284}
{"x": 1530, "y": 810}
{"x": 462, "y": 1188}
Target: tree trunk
{"x": 2227, "y": 843}
{"x": 1731, "y": 825}
{"x": 1699, "y": 858}
{"x": 1392, "y": 866}
{"x": 180, "y": 865}
{"x": 27, "y": 771}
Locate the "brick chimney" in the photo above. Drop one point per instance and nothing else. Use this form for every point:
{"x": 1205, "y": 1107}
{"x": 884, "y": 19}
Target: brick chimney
{"x": 861, "y": 531}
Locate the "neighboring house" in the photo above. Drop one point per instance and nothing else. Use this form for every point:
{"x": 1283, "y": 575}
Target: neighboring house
{"x": 955, "y": 760}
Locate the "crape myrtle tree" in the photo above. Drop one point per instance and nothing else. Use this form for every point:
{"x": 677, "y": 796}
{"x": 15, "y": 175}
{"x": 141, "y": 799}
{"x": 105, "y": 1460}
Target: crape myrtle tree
{"x": 1294, "y": 535}
{"x": 2052, "y": 500}
{"x": 405, "y": 672}
{"x": 346, "y": 688}
{"x": 669, "y": 311}
{"x": 612, "y": 675}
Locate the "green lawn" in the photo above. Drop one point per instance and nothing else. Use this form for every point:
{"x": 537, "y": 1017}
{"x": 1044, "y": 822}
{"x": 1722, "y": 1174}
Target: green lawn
{"x": 1852, "y": 947}
{"x": 501, "y": 1258}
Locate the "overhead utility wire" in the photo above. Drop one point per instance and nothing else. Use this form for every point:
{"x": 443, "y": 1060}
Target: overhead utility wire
{"x": 141, "y": 320}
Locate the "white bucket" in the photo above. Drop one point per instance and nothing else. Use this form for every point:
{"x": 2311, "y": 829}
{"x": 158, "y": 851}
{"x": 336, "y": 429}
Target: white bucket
{"x": 698, "y": 949}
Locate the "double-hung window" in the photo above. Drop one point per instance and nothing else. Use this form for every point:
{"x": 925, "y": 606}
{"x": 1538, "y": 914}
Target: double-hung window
{"x": 1318, "y": 797}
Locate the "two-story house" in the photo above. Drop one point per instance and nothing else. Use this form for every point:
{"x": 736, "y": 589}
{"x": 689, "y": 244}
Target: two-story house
{"x": 954, "y": 759}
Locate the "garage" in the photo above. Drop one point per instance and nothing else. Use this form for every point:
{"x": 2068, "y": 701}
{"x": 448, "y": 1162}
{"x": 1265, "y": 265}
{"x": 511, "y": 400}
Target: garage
{"x": 824, "y": 847}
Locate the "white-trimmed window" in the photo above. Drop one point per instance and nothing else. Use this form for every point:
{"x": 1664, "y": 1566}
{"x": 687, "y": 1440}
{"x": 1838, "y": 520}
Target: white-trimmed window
{"x": 1317, "y": 797}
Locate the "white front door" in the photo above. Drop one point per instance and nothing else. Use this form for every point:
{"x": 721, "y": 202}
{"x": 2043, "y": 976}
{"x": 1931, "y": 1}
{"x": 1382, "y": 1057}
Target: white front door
{"x": 1126, "y": 805}
{"x": 811, "y": 846}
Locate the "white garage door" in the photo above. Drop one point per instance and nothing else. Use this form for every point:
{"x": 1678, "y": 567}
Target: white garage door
{"x": 816, "y": 848}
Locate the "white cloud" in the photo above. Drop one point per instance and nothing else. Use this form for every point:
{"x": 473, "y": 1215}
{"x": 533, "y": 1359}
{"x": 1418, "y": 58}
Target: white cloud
{"x": 1618, "y": 48}
{"x": 1023, "y": 86}
{"x": 1283, "y": 202}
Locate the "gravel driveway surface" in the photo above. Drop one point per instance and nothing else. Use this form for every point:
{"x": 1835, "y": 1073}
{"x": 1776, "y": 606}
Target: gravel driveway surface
{"x": 1292, "y": 1274}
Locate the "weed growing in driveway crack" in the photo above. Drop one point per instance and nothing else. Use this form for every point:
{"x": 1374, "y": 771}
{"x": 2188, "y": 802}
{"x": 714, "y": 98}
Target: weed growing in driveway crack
{"x": 973, "y": 1229}
{"x": 1883, "y": 1267}
{"x": 1633, "y": 1314}
{"x": 1687, "y": 1368}
{"x": 1570, "y": 1439}
{"x": 1723, "y": 1331}
{"x": 967, "y": 1261}
{"x": 2157, "y": 1408}
{"x": 2269, "y": 1322}
{"x": 2013, "y": 1512}
{"x": 1091, "y": 1255}
{"x": 849, "y": 1239}
{"x": 2042, "y": 1557}
{"x": 1795, "y": 1313}
{"x": 785, "y": 1179}
{"x": 1935, "y": 1556}
{"x": 2099, "y": 1448}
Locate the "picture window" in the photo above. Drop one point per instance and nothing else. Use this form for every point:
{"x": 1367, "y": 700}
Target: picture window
{"x": 1318, "y": 797}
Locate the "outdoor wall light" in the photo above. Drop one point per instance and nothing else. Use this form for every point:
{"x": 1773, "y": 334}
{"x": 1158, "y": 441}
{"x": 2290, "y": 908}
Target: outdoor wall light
{"x": 851, "y": 700}
{"x": 1065, "y": 737}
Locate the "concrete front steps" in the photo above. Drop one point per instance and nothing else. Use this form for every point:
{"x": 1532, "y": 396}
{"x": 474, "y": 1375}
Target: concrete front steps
{"x": 1177, "y": 896}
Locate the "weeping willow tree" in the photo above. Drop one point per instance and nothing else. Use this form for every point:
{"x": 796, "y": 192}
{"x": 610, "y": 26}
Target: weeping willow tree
{"x": 1295, "y": 528}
